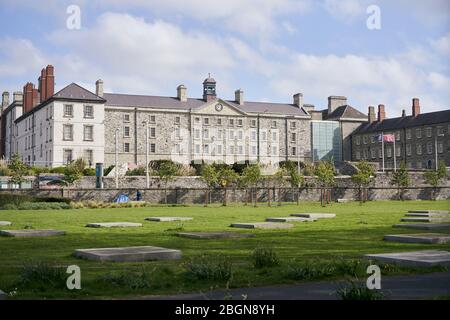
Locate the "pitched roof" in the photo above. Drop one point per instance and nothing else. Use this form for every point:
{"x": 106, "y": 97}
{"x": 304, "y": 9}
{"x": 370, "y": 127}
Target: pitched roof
{"x": 128, "y": 100}
{"x": 406, "y": 122}
{"x": 346, "y": 112}
{"x": 76, "y": 92}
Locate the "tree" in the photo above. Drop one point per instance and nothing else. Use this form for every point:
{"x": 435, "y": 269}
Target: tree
{"x": 226, "y": 177}
{"x": 296, "y": 179}
{"x": 74, "y": 171}
{"x": 210, "y": 177}
{"x": 251, "y": 175}
{"x": 166, "y": 171}
{"x": 280, "y": 180}
{"x": 400, "y": 178}
{"x": 363, "y": 178}
{"x": 434, "y": 177}
{"x": 18, "y": 170}
{"x": 325, "y": 175}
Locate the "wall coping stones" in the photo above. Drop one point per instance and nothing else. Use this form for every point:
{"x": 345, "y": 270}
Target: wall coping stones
{"x": 425, "y": 258}
{"x": 31, "y": 233}
{"x": 128, "y": 254}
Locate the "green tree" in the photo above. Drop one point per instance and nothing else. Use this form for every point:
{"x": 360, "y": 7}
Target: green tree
{"x": 210, "y": 177}
{"x": 363, "y": 178}
{"x": 324, "y": 172}
{"x": 18, "y": 170}
{"x": 434, "y": 178}
{"x": 280, "y": 180}
{"x": 251, "y": 175}
{"x": 74, "y": 171}
{"x": 166, "y": 171}
{"x": 226, "y": 177}
{"x": 296, "y": 178}
{"x": 400, "y": 178}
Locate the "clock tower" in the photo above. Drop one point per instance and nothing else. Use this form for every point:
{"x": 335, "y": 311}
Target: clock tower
{"x": 209, "y": 89}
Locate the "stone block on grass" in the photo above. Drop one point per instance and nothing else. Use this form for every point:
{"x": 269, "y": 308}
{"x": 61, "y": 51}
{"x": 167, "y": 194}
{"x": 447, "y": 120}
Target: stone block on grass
{"x": 425, "y": 258}
{"x": 214, "y": 235}
{"x": 423, "y": 226}
{"x": 5, "y": 223}
{"x": 429, "y": 238}
{"x": 429, "y": 211}
{"x": 427, "y": 215}
{"x": 425, "y": 219}
{"x": 31, "y": 233}
{"x": 262, "y": 225}
{"x": 291, "y": 219}
{"x": 315, "y": 215}
{"x": 128, "y": 254}
{"x": 168, "y": 219}
{"x": 114, "y": 225}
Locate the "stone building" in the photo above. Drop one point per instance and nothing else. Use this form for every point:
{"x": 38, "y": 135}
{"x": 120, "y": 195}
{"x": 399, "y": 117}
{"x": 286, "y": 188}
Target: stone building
{"x": 421, "y": 139}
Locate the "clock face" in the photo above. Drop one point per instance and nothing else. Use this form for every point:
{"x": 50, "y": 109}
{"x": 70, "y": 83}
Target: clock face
{"x": 219, "y": 107}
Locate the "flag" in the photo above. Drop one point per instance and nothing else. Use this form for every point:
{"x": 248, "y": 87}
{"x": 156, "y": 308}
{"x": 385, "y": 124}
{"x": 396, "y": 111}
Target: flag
{"x": 386, "y": 138}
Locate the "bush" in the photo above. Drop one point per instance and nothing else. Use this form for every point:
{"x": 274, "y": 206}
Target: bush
{"x": 57, "y": 170}
{"x": 358, "y": 291}
{"x": 15, "y": 199}
{"x": 42, "y": 276}
{"x": 130, "y": 280}
{"x": 9, "y": 206}
{"x": 309, "y": 271}
{"x": 136, "y": 172}
{"x": 43, "y": 206}
{"x": 89, "y": 172}
{"x": 263, "y": 257}
{"x": 209, "y": 267}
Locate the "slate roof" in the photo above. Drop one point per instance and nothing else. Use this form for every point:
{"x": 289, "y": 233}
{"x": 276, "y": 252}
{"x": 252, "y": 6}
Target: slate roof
{"x": 346, "y": 112}
{"x": 405, "y": 122}
{"x": 76, "y": 92}
{"x": 127, "y": 100}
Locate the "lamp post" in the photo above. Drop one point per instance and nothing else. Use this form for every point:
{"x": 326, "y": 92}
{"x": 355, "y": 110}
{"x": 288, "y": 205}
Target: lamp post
{"x": 147, "y": 177}
{"x": 117, "y": 159}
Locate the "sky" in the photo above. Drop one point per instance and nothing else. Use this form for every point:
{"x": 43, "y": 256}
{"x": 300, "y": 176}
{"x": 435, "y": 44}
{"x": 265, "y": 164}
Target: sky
{"x": 271, "y": 49}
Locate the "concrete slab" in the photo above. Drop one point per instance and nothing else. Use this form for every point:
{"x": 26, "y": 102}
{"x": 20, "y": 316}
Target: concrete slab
{"x": 31, "y": 233}
{"x": 168, "y": 219}
{"x": 291, "y": 219}
{"x": 114, "y": 225}
{"x": 2, "y": 295}
{"x": 5, "y": 223}
{"x": 427, "y": 215}
{"x": 128, "y": 254}
{"x": 429, "y": 211}
{"x": 425, "y": 258}
{"x": 423, "y": 226}
{"x": 315, "y": 215}
{"x": 214, "y": 235}
{"x": 343, "y": 200}
{"x": 424, "y": 219}
{"x": 262, "y": 225}
{"x": 432, "y": 238}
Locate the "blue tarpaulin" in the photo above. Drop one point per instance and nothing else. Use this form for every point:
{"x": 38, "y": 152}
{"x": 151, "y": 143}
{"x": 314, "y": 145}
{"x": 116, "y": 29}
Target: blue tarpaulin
{"x": 122, "y": 198}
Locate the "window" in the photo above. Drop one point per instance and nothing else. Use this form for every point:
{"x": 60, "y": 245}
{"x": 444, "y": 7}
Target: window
{"x": 358, "y": 155}
{"x": 389, "y": 152}
{"x": 68, "y": 110}
{"x": 358, "y": 140}
{"x": 440, "y": 147}
{"x": 51, "y": 133}
{"x": 429, "y": 132}
{"x": 177, "y": 133}
{"x": 373, "y": 153}
{"x": 418, "y": 133}
{"x": 380, "y": 153}
{"x": 231, "y": 148}
{"x": 177, "y": 149}
{"x": 253, "y": 135}
{"x": 366, "y": 154}
{"x": 440, "y": 131}
{"x": 177, "y": 120}
{"x": 293, "y": 137}
{"x": 274, "y": 151}
{"x": 219, "y": 121}
{"x": 220, "y": 134}
{"x": 153, "y": 119}
{"x": 398, "y": 151}
{"x": 365, "y": 139}
{"x": 126, "y": 132}
{"x": 206, "y": 121}
{"x": 408, "y": 134}
{"x": 40, "y": 129}
{"x": 263, "y": 135}
{"x": 239, "y": 122}
{"x": 67, "y": 156}
{"x": 88, "y": 133}
{"x": 274, "y": 124}
{"x": 88, "y": 111}
{"x": 408, "y": 149}
{"x": 88, "y": 157}
{"x": 205, "y": 133}
{"x": 206, "y": 149}
{"x": 152, "y": 148}
{"x": 254, "y": 149}
{"x": 293, "y": 151}
{"x": 253, "y": 123}
{"x": 126, "y": 147}
{"x": 429, "y": 148}
{"x": 240, "y": 135}
{"x": 293, "y": 125}
{"x": 419, "y": 149}
{"x": 219, "y": 149}
{"x": 68, "y": 132}
{"x": 274, "y": 136}
{"x": 197, "y": 134}
{"x": 231, "y": 122}
{"x": 397, "y": 136}
{"x": 197, "y": 120}
{"x": 231, "y": 135}
{"x": 153, "y": 132}
{"x": 126, "y": 117}
{"x": 197, "y": 148}
{"x": 240, "y": 150}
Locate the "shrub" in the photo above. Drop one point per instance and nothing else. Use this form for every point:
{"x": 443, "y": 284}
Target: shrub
{"x": 57, "y": 170}
{"x": 15, "y": 199}
{"x": 89, "y": 172}
{"x": 350, "y": 267}
{"x": 136, "y": 172}
{"x": 9, "y": 206}
{"x": 264, "y": 257}
{"x": 309, "y": 271}
{"x": 358, "y": 291}
{"x": 209, "y": 267}
{"x": 43, "y": 206}
{"x": 42, "y": 276}
{"x": 130, "y": 280}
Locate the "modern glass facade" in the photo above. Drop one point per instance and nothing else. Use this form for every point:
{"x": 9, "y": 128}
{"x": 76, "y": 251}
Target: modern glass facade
{"x": 326, "y": 140}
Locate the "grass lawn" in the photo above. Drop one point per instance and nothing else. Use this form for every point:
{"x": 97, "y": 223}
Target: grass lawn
{"x": 357, "y": 230}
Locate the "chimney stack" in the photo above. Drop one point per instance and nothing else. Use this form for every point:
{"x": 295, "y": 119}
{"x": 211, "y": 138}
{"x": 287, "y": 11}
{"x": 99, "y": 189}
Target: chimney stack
{"x": 181, "y": 93}
{"x": 381, "y": 113}
{"x": 28, "y": 97}
{"x": 5, "y": 99}
{"x": 335, "y": 102}
{"x": 99, "y": 88}
{"x": 415, "y": 107}
{"x": 50, "y": 82}
{"x": 36, "y": 98}
{"x": 239, "y": 96}
{"x": 298, "y": 100}
{"x": 372, "y": 115}
{"x": 403, "y": 113}
{"x": 43, "y": 85}
{"x": 17, "y": 96}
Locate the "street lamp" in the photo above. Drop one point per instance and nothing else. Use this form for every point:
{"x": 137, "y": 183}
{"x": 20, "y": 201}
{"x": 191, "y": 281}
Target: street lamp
{"x": 147, "y": 177}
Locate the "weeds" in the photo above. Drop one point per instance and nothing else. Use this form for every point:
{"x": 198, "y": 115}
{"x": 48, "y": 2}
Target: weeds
{"x": 210, "y": 267}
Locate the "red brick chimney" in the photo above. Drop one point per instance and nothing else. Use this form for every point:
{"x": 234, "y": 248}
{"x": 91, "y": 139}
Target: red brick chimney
{"x": 50, "y": 82}
{"x": 36, "y": 98}
{"x": 381, "y": 113}
{"x": 28, "y": 97}
{"x": 43, "y": 85}
{"x": 415, "y": 107}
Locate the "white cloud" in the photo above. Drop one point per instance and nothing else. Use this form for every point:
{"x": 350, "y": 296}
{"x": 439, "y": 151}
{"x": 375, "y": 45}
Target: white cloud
{"x": 345, "y": 10}
{"x": 439, "y": 81}
{"x": 18, "y": 57}
{"x": 442, "y": 45}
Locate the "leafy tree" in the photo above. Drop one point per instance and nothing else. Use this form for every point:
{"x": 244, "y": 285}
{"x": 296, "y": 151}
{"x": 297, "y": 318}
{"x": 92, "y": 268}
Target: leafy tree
{"x": 210, "y": 176}
{"x": 324, "y": 172}
{"x": 18, "y": 170}
{"x": 280, "y": 180}
{"x": 166, "y": 171}
{"x": 296, "y": 179}
{"x": 74, "y": 171}
{"x": 226, "y": 177}
{"x": 400, "y": 178}
{"x": 434, "y": 177}
{"x": 363, "y": 178}
{"x": 251, "y": 175}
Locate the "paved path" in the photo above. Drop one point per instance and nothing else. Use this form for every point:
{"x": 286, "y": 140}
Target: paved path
{"x": 395, "y": 287}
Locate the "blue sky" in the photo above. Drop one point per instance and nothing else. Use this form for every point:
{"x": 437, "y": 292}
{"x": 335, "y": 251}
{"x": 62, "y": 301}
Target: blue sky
{"x": 271, "y": 49}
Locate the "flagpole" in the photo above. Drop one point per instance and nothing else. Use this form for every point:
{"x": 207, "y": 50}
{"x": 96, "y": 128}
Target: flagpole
{"x": 395, "y": 159}
{"x": 382, "y": 148}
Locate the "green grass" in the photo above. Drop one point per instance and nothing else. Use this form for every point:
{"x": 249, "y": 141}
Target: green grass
{"x": 356, "y": 231}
